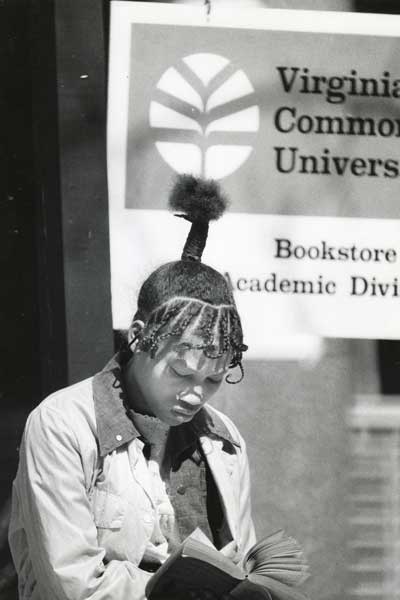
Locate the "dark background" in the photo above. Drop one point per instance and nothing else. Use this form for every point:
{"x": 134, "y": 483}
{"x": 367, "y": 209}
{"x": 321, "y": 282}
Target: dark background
{"x": 55, "y": 309}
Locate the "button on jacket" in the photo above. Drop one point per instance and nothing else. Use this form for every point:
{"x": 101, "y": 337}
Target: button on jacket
{"x": 83, "y": 511}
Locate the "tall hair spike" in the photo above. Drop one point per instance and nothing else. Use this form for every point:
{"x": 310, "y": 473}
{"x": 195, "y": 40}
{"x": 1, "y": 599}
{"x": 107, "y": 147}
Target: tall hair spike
{"x": 198, "y": 201}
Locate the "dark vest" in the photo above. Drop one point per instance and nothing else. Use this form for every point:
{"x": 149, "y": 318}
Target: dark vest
{"x": 193, "y": 491}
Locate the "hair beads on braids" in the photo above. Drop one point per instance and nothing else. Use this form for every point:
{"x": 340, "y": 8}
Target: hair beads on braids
{"x": 217, "y": 327}
{"x": 156, "y": 324}
{"x": 189, "y": 312}
{"x": 224, "y": 332}
{"x": 206, "y": 327}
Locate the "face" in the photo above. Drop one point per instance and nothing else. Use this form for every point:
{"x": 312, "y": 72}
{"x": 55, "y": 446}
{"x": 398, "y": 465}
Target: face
{"x": 176, "y": 383}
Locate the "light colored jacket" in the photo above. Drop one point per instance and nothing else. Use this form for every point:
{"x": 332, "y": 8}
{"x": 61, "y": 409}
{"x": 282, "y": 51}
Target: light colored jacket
{"x": 83, "y": 513}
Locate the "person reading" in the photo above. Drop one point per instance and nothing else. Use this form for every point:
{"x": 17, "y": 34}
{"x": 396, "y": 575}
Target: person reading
{"x": 117, "y": 470}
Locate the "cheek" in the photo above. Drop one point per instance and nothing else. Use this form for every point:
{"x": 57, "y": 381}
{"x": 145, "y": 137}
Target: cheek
{"x": 164, "y": 386}
{"x": 211, "y": 389}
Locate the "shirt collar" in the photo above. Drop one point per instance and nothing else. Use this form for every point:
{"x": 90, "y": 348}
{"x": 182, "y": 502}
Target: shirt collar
{"x": 115, "y": 428}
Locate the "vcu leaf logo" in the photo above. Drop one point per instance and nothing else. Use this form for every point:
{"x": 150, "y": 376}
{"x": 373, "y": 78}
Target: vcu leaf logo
{"x": 204, "y": 116}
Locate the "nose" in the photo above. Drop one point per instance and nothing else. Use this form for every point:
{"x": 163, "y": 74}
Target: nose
{"x": 194, "y": 396}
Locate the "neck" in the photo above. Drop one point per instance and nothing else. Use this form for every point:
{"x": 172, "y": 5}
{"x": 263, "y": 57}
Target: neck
{"x": 154, "y": 430}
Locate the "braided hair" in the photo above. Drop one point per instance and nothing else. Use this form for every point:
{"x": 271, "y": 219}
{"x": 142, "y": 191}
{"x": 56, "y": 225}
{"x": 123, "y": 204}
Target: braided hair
{"x": 188, "y": 295}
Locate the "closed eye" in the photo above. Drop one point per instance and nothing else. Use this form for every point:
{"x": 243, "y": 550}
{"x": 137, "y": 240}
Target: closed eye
{"x": 178, "y": 373}
{"x": 182, "y": 372}
{"x": 215, "y": 380}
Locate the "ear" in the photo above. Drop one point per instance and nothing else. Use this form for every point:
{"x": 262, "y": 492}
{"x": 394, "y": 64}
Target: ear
{"x": 135, "y": 331}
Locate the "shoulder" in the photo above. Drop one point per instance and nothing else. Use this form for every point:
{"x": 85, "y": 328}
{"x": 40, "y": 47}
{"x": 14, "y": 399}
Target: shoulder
{"x": 68, "y": 400}
{"x": 69, "y": 410}
{"x": 73, "y": 394}
{"x": 60, "y": 439}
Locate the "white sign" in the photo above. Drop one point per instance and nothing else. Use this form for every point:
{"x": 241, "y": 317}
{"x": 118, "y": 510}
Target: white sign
{"x": 296, "y": 114}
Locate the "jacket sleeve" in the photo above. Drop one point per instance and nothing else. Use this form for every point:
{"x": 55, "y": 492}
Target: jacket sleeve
{"x": 61, "y": 534}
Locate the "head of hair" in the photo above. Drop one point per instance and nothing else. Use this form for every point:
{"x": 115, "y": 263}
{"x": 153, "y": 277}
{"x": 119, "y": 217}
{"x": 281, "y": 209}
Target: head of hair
{"x": 188, "y": 295}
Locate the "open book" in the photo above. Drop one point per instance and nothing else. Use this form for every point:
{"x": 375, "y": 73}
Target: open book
{"x": 274, "y": 566}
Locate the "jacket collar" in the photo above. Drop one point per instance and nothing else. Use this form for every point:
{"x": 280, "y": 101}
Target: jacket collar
{"x": 115, "y": 428}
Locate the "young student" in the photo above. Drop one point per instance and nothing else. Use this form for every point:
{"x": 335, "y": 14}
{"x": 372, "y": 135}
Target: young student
{"x": 116, "y": 470}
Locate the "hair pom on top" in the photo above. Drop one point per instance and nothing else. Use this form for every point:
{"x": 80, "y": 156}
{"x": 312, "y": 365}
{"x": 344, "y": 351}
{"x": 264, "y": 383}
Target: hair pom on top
{"x": 197, "y": 199}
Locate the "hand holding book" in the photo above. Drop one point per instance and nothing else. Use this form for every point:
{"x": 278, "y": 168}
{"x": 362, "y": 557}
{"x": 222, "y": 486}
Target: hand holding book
{"x": 272, "y": 569}
{"x": 231, "y": 552}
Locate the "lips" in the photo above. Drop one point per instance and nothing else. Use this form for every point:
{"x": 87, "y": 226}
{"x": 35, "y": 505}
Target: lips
{"x": 184, "y": 411}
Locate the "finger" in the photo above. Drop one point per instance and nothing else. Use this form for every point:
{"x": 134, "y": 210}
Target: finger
{"x": 236, "y": 558}
{"x": 230, "y": 549}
